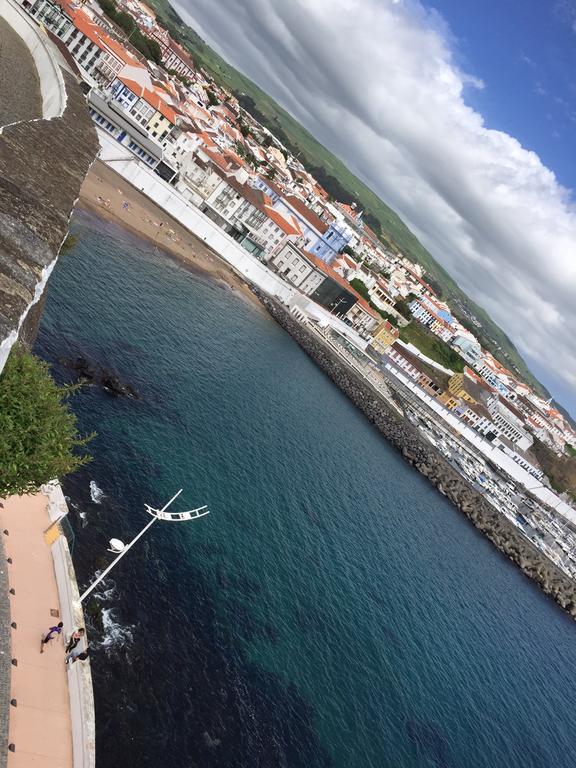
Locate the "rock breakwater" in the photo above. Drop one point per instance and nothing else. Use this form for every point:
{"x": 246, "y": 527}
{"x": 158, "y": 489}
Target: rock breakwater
{"x": 430, "y": 463}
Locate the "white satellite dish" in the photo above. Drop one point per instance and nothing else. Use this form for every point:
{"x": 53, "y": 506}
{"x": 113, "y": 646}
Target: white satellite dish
{"x": 116, "y": 545}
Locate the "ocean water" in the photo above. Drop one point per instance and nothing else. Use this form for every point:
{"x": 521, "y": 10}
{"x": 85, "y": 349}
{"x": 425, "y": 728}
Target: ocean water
{"x": 333, "y": 609}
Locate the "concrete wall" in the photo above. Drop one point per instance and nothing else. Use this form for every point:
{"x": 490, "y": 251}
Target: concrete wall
{"x": 79, "y": 674}
{"x": 52, "y": 85}
{"x": 43, "y": 163}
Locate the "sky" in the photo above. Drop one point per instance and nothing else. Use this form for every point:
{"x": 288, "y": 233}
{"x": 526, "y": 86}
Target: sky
{"x": 461, "y": 116}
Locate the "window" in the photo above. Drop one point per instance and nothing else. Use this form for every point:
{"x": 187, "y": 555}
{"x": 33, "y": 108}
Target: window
{"x": 302, "y": 268}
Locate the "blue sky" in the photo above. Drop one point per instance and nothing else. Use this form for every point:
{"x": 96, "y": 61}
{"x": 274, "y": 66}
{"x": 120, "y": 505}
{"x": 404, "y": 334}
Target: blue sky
{"x": 461, "y": 115}
{"x": 525, "y": 52}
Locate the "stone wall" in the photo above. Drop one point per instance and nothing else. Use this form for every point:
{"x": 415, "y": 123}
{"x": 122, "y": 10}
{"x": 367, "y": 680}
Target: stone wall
{"x": 407, "y": 439}
{"x": 42, "y": 166}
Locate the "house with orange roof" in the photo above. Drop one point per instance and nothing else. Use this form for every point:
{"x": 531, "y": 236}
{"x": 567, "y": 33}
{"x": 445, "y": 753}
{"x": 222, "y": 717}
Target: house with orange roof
{"x": 98, "y": 54}
{"x": 312, "y": 226}
{"x": 345, "y": 265}
{"x": 87, "y": 43}
{"x": 146, "y": 105}
{"x": 176, "y": 59}
{"x": 495, "y": 374}
{"x": 179, "y": 144}
{"x": 246, "y": 212}
{"x": 384, "y": 336}
{"x": 323, "y": 284}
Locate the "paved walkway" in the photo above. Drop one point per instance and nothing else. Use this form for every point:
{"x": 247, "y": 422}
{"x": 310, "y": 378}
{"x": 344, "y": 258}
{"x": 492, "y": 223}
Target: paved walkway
{"x": 20, "y": 97}
{"x": 5, "y": 654}
{"x": 40, "y": 726}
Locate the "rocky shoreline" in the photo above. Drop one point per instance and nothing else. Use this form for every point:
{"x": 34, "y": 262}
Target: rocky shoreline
{"x": 406, "y": 438}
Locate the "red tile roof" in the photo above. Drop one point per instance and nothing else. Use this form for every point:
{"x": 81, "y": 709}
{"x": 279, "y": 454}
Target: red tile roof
{"x": 280, "y": 221}
{"x": 333, "y": 275}
{"x": 151, "y": 97}
{"x": 301, "y": 207}
{"x": 96, "y": 34}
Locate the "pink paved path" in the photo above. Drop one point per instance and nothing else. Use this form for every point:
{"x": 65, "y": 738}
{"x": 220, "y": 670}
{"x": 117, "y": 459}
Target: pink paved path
{"x": 40, "y": 725}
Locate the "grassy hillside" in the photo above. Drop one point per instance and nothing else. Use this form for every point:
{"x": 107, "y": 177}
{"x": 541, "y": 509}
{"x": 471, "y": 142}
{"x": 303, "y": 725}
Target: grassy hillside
{"x": 431, "y": 346}
{"x": 315, "y": 156}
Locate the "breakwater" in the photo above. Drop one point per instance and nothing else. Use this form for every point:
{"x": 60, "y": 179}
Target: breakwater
{"x": 406, "y": 438}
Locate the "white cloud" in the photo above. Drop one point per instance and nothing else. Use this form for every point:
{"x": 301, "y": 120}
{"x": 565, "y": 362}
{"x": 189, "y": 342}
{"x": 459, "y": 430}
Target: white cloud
{"x": 376, "y": 81}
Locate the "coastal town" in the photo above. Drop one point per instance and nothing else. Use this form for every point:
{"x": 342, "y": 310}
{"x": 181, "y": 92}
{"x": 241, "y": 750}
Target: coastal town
{"x": 126, "y": 160}
{"x": 170, "y": 118}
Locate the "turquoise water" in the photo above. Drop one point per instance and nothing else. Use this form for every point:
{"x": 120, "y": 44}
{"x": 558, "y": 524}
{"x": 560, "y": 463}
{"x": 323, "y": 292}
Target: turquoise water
{"x": 333, "y": 609}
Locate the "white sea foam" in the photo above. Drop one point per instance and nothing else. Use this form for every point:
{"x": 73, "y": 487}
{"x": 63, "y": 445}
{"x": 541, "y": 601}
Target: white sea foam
{"x": 96, "y": 493}
{"x": 115, "y": 635}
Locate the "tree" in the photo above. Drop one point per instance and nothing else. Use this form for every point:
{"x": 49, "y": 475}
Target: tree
{"x": 212, "y": 98}
{"x": 154, "y": 48}
{"x": 39, "y": 437}
{"x": 361, "y": 288}
{"x": 402, "y": 306}
{"x": 148, "y": 47}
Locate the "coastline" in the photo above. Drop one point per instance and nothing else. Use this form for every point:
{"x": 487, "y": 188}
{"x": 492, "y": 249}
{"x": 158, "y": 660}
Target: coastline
{"x": 414, "y": 449}
{"x": 107, "y": 194}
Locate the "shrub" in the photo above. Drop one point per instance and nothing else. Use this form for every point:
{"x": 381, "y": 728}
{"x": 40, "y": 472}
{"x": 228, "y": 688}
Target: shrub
{"x": 39, "y": 438}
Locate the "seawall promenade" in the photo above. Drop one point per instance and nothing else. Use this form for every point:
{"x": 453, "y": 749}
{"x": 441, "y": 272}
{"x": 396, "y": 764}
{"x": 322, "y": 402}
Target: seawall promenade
{"x": 47, "y": 712}
{"x": 406, "y": 438}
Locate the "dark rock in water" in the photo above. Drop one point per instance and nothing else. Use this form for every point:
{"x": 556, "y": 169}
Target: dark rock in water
{"x": 209, "y": 741}
{"x": 94, "y": 375}
{"x": 79, "y": 365}
{"x": 114, "y": 386}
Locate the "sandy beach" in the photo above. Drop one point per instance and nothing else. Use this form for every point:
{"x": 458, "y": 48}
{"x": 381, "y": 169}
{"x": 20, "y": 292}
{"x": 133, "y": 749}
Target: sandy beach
{"x": 112, "y": 197}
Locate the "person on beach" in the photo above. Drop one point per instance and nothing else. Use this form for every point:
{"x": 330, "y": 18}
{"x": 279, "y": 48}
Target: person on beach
{"x": 52, "y": 632}
{"x": 75, "y": 638}
{"x": 77, "y": 655}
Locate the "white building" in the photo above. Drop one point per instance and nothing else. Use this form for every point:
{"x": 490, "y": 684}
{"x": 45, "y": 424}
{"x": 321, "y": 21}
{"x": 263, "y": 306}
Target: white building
{"x": 509, "y": 424}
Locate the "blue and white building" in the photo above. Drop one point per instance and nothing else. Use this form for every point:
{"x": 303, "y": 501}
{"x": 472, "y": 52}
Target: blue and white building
{"x": 332, "y": 242}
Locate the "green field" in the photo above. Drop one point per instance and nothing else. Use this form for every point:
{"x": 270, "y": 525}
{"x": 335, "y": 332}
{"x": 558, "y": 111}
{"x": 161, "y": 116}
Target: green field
{"x": 314, "y": 156}
{"x": 431, "y": 346}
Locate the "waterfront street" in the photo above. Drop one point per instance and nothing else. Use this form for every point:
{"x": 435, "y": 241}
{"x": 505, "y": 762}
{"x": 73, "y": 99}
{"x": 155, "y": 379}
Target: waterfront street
{"x": 40, "y": 724}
